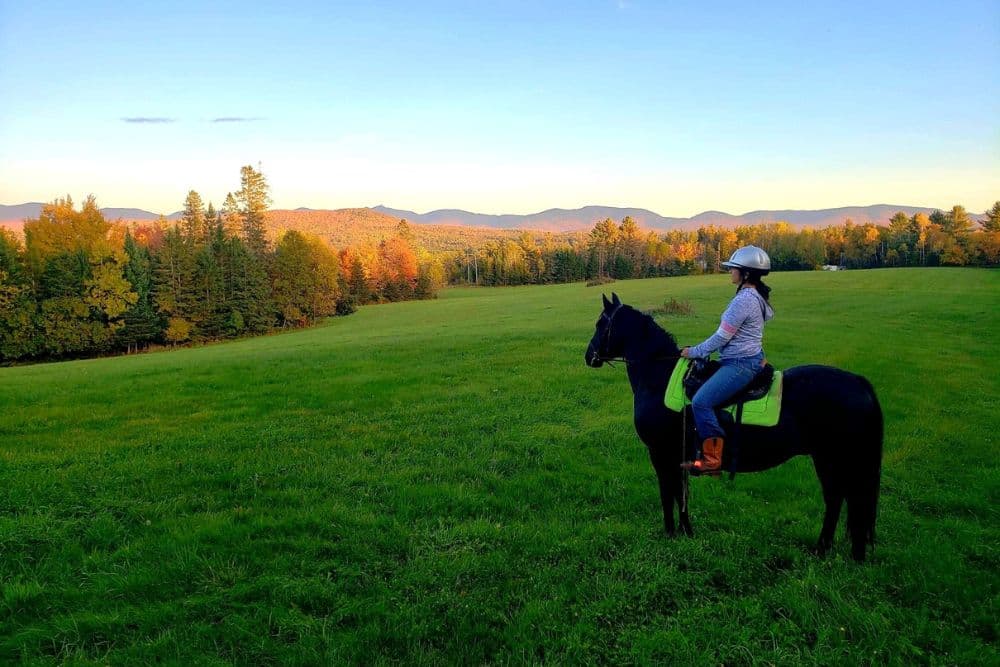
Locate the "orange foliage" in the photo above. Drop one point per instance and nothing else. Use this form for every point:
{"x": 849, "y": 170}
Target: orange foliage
{"x": 398, "y": 261}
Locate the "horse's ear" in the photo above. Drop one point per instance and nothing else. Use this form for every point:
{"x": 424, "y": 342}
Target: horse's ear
{"x": 615, "y": 300}
{"x": 607, "y": 304}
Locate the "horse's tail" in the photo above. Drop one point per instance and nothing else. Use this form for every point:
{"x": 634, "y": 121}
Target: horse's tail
{"x": 863, "y": 487}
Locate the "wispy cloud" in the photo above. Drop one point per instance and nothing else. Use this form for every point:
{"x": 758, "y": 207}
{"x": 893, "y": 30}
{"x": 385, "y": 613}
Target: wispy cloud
{"x": 148, "y": 119}
{"x": 235, "y": 119}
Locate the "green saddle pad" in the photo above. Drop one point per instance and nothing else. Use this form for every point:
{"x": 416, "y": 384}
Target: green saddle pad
{"x": 762, "y": 412}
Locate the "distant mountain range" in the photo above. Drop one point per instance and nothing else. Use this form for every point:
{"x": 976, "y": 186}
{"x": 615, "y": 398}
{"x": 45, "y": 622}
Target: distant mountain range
{"x": 562, "y": 220}
{"x": 558, "y": 219}
{"x": 33, "y": 209}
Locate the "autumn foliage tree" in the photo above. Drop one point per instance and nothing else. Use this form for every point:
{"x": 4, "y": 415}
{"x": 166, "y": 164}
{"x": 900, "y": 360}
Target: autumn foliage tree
{"x": 306, "y": 279}
{"x": 76, "y": 260}
{"x": 81, "y": 285}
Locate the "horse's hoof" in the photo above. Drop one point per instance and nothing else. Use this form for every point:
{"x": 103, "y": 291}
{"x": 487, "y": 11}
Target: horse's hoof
{"x": 822, "y": 549}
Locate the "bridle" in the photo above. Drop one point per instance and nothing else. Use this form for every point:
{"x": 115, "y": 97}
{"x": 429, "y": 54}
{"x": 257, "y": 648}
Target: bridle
{"x": 606, "y": 340}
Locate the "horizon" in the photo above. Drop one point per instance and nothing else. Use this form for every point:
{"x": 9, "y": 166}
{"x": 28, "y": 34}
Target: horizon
{"x": 102, "y": 207}
{"x": 507, "y": 110}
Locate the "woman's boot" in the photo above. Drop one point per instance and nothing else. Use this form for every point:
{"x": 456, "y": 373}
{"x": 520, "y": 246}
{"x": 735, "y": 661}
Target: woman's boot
{"x": 711, "y": 458}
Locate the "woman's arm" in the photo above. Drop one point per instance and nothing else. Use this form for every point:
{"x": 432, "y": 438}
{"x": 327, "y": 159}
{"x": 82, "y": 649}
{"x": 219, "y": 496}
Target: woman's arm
{"x": 731, "y": 321}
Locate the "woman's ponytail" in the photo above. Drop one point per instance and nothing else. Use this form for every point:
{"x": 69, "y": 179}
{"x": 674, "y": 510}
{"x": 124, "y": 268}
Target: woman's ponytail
{"x": 763, "y": 289}
{"x": 755, "y": 278}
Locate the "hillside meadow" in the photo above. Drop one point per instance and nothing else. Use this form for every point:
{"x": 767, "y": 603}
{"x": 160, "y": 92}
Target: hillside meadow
{"x": 446, "y": 482}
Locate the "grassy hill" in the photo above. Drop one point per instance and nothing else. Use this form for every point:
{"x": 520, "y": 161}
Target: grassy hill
{"x": 447, "y": 482}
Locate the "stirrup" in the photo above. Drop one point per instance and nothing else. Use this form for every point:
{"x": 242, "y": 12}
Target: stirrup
{"x": 697, "y": 469}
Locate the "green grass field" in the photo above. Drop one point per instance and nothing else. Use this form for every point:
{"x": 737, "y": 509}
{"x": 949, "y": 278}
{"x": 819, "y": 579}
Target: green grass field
{"x": 447, "y": 482}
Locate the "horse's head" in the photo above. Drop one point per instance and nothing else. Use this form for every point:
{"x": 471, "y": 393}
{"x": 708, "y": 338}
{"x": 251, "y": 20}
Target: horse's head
{"x": 605, "y": 344}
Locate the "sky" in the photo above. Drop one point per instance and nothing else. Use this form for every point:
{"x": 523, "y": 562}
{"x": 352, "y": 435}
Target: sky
{"x": 504, "y": 107}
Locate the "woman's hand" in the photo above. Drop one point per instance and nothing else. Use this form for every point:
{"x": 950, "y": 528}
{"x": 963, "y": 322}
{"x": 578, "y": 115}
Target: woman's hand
{"x": 684, "y": 352}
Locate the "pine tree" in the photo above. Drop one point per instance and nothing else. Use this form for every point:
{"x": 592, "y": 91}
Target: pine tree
{"x": 174, "y": 286}
{"x": 992, "y": 222}
{"x": 253, "y": 200}
{"x": 325, "y": 267}
{"x": 212, "y": 220}
{"x": 142, "y": 323}
{"x": 193, "y": 220}
{"x": 958, "y": 223}
{"x": 209, "y": 284}
{"x": 251, "y": 308}
{"x": 230, "y": 214}
{"x": 602, "y": 239}
{"x": 358, "y": 285}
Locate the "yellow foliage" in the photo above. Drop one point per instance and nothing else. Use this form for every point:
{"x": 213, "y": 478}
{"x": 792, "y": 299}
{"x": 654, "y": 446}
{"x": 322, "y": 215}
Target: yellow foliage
{"x": 178, "y": 330}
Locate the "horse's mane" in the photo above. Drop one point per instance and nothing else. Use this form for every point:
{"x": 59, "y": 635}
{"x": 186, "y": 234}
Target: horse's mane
{"x": 659, "y": 336}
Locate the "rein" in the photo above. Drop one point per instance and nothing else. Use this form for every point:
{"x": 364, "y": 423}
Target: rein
{"x": 623, "y": 358}
{"x": 609, "y": 360}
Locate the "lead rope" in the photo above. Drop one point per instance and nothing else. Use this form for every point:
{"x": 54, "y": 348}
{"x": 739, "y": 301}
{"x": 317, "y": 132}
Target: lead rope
{"x": 685, "y": 473}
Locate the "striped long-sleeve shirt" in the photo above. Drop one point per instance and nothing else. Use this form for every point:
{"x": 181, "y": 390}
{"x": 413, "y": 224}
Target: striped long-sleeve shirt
{"x": 741, "y": 332}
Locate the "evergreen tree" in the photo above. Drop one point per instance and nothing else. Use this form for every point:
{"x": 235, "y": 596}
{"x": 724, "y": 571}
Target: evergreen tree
{"x": 193, "y": 221}
{"x": 358, "y": 286}
{"x": 992, "y": 222}
{"x": 293, "y": 280}
{"x": 253, "y": 201}
{"x": 957, "y": 222}
{"x": 602, "y": 240}
{"x": 174, "y": 284}
{"x": 325, "y": 267}
{"x": 249, "y": 292}
{"x": 213, "y": 219}
{"x": 143, "y": 325}
{"x": 957, "y": 225}
{"x": 230, "y": 214}
{"x": 210, "y": 308}
{"x": 405, "y": 232}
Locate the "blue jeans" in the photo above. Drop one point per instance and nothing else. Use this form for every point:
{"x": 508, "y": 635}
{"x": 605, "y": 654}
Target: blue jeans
{"x": 734, "y": 375}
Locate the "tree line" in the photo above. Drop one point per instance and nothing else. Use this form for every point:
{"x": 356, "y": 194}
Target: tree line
{"x": 80, "y": 285}
{"x": 623, "y": 250}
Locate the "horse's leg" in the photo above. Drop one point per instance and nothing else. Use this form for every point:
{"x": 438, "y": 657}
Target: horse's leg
{"x": 862, "y": 501}
{"x": 667, "y": 491}
{"x": 833, "y": 496}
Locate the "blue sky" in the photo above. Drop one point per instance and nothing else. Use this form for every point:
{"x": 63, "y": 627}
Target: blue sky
{"x": 505, "y": 107}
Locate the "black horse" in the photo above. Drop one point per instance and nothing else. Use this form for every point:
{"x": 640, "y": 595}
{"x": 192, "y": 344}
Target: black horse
{"x": 826, "y": 413}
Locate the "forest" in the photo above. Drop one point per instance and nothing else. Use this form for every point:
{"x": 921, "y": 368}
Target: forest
{"x": 79, "y": 285}
{"x": 623, "y": 250}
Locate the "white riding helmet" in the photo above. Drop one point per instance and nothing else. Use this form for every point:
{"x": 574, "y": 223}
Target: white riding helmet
{"x": 749, "y": 257}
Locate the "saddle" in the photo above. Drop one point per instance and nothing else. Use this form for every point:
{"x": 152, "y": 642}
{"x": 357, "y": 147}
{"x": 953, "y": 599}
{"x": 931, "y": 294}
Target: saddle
{"x": 759, "y": 404}
{"x": 700, "y": 370}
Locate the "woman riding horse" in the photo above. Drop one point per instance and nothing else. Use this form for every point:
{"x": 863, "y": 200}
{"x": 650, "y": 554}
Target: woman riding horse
{"x": 739, "y": 342}
{"x": 828, "y": 414}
